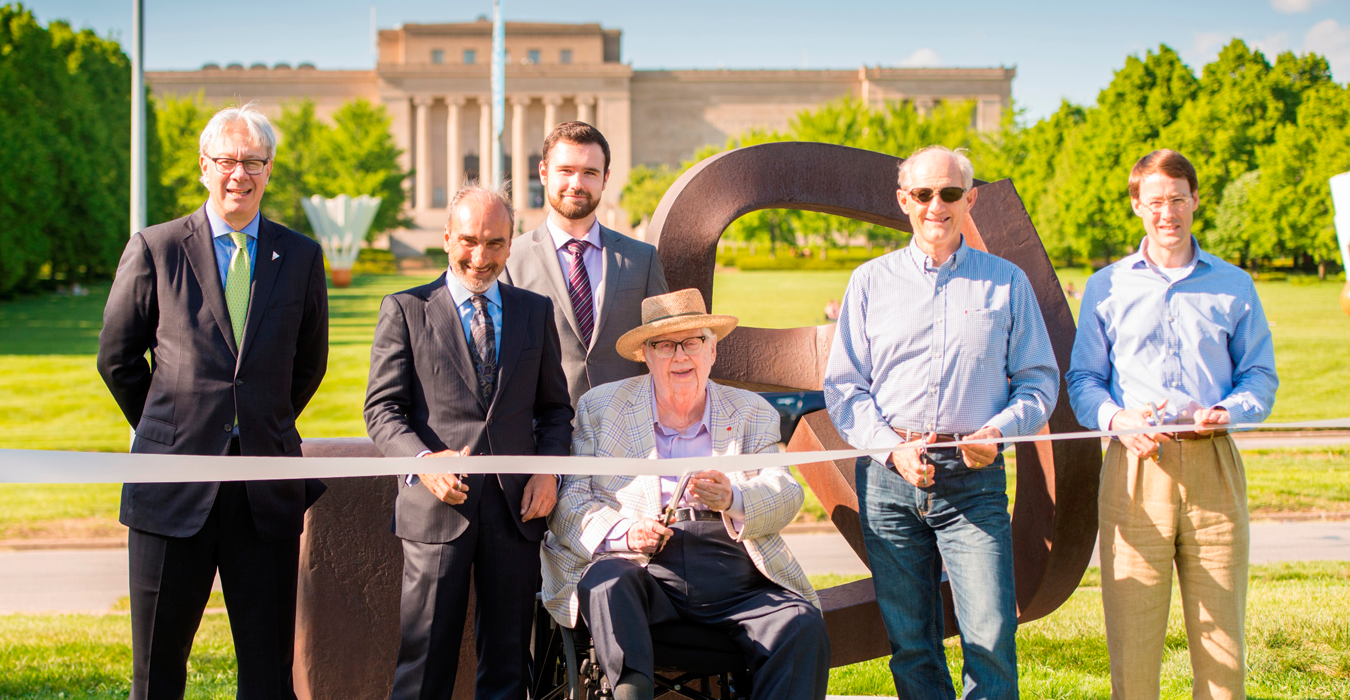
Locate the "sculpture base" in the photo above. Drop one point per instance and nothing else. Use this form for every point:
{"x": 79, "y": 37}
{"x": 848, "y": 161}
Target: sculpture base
{"x": 340, "y": 278}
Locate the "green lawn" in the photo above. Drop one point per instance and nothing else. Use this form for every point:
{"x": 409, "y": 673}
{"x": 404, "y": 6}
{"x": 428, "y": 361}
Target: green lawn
{"x": 1298, "y": 647}
{"x": 1298, "y": 642}
{"x": 52, "y": 398}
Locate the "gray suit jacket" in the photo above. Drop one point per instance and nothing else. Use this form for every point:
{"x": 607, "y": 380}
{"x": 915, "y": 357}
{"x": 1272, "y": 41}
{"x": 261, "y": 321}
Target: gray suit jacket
{"x": 632, "y": 273}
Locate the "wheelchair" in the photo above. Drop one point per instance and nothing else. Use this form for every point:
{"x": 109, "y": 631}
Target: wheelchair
{"x": 693, "y": 661}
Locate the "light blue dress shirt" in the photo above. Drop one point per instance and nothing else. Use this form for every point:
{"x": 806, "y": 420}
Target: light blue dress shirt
{"x": 220, "y": 234}
{"x": 948, "y": 349}
{"x": 464, "y": 306}
{"x": 1199, "y": 342}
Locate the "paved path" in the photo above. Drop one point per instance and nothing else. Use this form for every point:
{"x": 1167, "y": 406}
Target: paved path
{"x": 91, "y": 580}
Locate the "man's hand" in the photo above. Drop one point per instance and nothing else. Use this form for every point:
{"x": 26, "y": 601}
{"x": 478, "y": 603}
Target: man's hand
{"x": 1207, "y": 418}
{"x": 446, "y": 487}
{"x": 712, "y": 489}
{"x": 978, "y": 456}
{"x": 541, "y": 494}
{"x": 1141, "y": 445}
{"x": 647, "y": 536}
{"x": 908, "y": 464}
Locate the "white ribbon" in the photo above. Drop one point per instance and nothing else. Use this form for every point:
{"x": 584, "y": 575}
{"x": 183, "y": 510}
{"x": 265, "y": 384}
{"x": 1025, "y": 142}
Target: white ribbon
{"x": 54, "y": 467}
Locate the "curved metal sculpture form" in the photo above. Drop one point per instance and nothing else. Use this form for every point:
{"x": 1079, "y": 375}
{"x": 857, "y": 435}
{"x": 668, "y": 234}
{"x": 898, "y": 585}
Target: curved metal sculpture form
{"x": 1055, "y": 514}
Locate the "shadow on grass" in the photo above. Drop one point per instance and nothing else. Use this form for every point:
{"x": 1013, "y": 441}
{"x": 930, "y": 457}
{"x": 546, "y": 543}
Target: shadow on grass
{"x": 51, "y": 324}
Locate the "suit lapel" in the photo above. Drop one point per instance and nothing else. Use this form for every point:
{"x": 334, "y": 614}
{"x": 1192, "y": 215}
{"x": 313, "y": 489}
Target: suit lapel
{"x": 609, "y": 242}
{"x": 725, "y": 436}
{"x": 547, "y": 256}
{"x": 514, "y": 318}
{"x": 265, "y": 268}
{"x": 643, "y": 428}
{"x": 201, "y": 251}
{"x": 444, "y": 320}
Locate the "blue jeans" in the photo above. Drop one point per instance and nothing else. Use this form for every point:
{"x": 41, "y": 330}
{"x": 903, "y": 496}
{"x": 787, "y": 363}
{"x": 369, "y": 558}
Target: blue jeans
{"x": 910, "y": 532}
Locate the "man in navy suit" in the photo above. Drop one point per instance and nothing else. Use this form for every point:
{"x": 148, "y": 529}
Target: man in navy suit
{"x": 468, "y": 366}
{"x": 233, "y": 310}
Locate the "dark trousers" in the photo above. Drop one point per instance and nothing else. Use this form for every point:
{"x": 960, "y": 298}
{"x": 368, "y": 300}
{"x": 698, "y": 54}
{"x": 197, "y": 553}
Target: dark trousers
{"x": 705, "y": 577}
{"x": 505, "y": 574}
{"x": 171, "y": 581}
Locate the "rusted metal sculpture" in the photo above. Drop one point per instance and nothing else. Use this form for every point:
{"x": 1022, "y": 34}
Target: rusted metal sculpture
{"x": 1055, "y": 514}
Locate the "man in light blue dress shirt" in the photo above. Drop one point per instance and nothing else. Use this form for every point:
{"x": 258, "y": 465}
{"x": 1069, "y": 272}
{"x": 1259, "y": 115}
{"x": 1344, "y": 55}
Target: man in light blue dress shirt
{"x": 938, "y": 341}
{"x": 1172, "y": 334}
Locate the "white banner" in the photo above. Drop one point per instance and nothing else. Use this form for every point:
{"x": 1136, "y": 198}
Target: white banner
{"x": 53, "y": 467}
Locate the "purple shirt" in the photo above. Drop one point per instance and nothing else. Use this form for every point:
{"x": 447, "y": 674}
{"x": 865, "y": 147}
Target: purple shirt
{"x": 694, "y": 441}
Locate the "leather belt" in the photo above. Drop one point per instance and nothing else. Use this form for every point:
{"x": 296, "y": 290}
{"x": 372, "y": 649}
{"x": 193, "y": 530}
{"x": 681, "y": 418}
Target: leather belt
{"x": 687, "y": 514}
{"x": 1192, "y": 435}
{"x": 910, "y": 435}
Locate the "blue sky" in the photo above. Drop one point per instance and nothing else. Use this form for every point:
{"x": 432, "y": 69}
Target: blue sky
{"x": 1062, "y": 49}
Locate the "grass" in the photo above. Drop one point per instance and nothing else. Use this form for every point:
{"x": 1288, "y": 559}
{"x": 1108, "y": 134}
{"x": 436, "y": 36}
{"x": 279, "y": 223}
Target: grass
{"x": 52, "y": 398}
{"x": 1298, "y": 643}
{"x": 1298, "y": 647}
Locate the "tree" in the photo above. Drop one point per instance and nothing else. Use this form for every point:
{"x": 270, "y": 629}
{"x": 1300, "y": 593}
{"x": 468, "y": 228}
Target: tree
{"x": 643, "y": 192}
{"x": 360, "y": 154}
{"x": 301, "y": 165}
{"x": 1236, "y": 234}
{"x": 1293, "y": 195}
{"x": 178, "y": 128}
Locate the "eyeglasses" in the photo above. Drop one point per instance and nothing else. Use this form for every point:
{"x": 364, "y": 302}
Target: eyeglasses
{"x": 1177, "y": 204}
{"x": 225, "y": 166}
{"x": 948, "y": 194}
{"x": 666, "y": 348}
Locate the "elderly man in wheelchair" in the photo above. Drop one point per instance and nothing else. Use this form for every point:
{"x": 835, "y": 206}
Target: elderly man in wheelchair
{"x": 699, "y": 557}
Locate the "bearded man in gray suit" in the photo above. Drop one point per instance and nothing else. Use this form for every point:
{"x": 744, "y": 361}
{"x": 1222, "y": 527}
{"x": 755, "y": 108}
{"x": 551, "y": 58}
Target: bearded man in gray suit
{"x": 596, "y": 277}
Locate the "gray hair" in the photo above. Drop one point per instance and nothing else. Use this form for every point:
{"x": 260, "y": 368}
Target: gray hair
{"x": 493, "y": 193}
{"x": 959, "y": 155}
{"x": 709, "y": 337}
{"x": 259, "y": 129}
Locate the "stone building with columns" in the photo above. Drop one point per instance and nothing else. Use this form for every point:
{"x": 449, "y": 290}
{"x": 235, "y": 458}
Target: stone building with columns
{"x": 434, "y": 80}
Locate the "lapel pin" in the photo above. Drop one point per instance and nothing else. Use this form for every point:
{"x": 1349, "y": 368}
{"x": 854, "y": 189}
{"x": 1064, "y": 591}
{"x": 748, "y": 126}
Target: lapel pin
{"x": 275, "y": 255}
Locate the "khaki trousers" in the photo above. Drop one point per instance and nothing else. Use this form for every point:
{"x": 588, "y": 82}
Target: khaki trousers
{"x": 1190, "y": 508}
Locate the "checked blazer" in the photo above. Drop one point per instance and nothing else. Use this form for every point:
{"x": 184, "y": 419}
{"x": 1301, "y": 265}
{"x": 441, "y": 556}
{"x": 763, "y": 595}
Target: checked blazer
{"x": 616, "y": 420}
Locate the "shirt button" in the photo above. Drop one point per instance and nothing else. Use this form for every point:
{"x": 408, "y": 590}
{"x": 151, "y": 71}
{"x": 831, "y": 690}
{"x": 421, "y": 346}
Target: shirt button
{"x": 930, "y": 427}
{"x": 932, "y": 390}
{"x": 938, "y": 354}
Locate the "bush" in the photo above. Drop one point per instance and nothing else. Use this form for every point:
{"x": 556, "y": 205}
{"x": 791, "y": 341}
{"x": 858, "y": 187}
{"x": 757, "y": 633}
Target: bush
{"x": 375, "y": 261}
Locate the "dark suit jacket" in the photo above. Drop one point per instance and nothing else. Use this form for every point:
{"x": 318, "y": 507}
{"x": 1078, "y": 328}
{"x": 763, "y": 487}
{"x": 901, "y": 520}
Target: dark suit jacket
{"x": 632, "y": 272}
{"x": 167, "y": 298}
{"x": 423, "y": 395}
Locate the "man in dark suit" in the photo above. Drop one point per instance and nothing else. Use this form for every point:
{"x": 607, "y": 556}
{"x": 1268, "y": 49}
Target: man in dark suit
{"x": 468, "y": 366}
{"x": 596, "y": 277}
{"x": 233, "y": 310}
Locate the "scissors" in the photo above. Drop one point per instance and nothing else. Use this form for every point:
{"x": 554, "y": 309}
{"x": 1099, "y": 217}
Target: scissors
{"x": 1157, "y": 420}
{"x": 668, "y": 515}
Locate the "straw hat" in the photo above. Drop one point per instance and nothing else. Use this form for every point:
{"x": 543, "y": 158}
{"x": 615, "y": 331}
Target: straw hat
{"x": 669, "y": 313}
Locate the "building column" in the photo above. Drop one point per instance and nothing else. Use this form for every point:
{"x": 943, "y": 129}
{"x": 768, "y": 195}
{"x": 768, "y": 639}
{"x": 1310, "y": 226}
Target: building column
{"x": 454, "y": 155}
{"x": 485, "y": 140}
{"x": 551, "y": 104}
{"x": 520, "y": 159}
{"x": 422, "y": 178}
{"x": 584, "y": 103}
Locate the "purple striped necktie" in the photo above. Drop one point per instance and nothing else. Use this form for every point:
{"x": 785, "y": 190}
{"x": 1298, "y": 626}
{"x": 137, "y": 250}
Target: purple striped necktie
{"x": 579, "y": 289}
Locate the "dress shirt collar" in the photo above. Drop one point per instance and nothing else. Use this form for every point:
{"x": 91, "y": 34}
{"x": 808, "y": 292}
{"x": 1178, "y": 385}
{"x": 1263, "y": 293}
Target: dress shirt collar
{"x": 1139, "y": 260}
{"x": 220, "y": 228}
{"x": 461, "y": 295}
{"x": 704, "y": 425}
{"x": 561, "y": 237}
{"x": 925, "y": 262}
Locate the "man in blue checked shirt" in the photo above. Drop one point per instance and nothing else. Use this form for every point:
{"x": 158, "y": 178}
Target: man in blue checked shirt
{"x": 1177, "y": 328}
{"x": 939, "y": 341}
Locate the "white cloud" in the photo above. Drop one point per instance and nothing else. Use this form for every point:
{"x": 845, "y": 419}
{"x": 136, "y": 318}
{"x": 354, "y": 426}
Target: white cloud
{"x": 1271, "y": 45}
{"x": 1290, "y": 7}
{"x": 1332, "y": 40}
{"x": 1205, "y": 46}
{"x": 923, "y": 58}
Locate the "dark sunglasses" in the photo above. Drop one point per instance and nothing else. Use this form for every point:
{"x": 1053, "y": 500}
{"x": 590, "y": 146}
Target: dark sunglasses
{"x": 948, "y": 194}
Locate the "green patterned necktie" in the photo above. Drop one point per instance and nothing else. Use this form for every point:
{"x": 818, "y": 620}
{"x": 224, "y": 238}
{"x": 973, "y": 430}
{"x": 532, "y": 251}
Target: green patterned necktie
{"x": 237, "y": 282}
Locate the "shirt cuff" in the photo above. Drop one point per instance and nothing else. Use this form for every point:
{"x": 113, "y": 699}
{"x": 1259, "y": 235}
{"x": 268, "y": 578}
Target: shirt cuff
{"x": 412, "y": 479}
{"x": 1236, "y": 411}
{"x": 617, "y": 539}
{"x": 736, "y": 513}
{"x": 1105, "y": 413}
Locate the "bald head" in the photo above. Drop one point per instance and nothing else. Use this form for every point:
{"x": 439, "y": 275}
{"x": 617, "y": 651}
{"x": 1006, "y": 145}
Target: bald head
{"x": 940, "y": 157}
{"x": 478, "y": 236}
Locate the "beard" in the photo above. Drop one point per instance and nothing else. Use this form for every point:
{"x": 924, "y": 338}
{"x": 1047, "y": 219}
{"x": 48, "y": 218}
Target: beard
{"x": 570, "y": 209}
{"x": 473, "y": 282}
